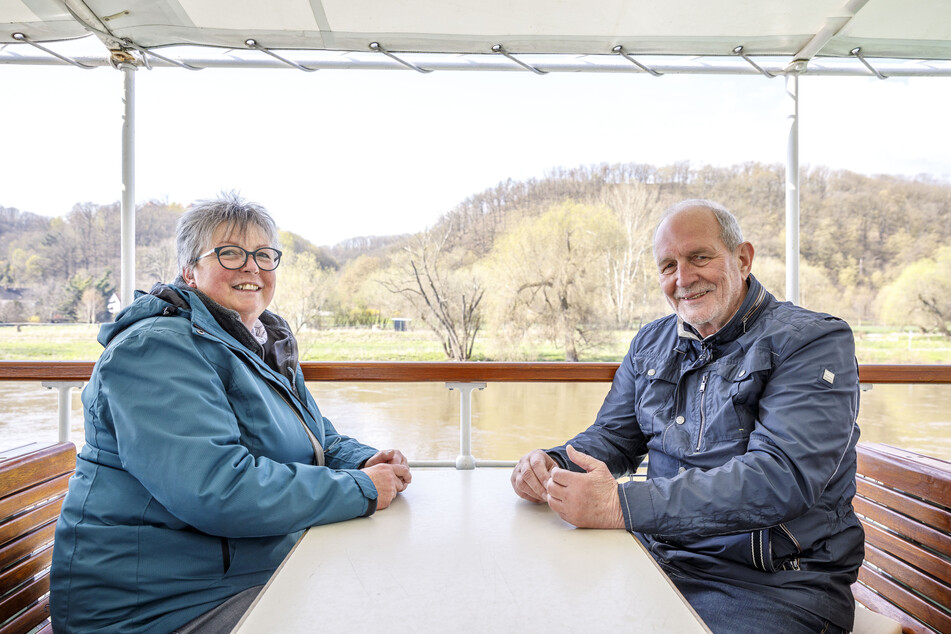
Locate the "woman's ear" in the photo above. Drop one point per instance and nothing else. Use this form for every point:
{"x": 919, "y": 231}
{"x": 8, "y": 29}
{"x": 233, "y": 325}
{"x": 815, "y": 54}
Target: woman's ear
{"x": 189, "y": 276}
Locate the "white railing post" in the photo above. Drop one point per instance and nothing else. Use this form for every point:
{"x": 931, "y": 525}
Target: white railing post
{"x": 65, "y": 408}
{"x": 465, "y": 459}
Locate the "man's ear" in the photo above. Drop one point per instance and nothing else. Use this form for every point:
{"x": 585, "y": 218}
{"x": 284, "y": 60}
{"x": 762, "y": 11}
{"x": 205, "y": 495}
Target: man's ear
{"x": 744, "y": 257}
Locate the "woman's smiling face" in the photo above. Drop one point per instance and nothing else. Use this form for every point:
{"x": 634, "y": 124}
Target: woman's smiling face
{"x": 247, "y": 290}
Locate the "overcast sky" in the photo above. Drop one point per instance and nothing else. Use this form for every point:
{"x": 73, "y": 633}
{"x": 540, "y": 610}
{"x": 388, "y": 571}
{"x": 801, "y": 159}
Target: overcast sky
{"x": 338, "y": 154}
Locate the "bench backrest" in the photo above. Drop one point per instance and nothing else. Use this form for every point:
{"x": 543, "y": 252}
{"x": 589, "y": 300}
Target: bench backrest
{"x": 33, "y": 481}
{"x": 904, "y": 500}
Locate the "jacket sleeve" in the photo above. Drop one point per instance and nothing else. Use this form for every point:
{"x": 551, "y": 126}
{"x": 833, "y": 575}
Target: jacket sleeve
{"x": 615, "y": 438}
{"x": 177, "y": 434}
{"x": 800, "y": 441}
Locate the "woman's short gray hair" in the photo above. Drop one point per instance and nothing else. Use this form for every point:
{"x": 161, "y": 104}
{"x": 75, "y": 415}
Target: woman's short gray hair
{"x": 730, "y": 233}
{"x": 196, "y": 228}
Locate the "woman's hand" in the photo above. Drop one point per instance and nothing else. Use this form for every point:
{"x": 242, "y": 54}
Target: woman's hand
{"x": 389, "y": 471}
{"x": 387, "y": 456}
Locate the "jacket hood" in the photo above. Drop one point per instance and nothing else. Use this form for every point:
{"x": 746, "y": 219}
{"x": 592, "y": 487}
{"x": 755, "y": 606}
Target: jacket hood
{"x": 279, "y": 351}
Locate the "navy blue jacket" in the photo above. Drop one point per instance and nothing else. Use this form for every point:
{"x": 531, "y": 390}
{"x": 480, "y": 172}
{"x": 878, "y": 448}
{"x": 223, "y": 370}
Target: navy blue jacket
{"x": 751, "y": 437}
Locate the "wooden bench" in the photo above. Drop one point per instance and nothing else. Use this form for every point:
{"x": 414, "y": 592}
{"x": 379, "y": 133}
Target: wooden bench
{"x": 904, "y": 502}
{"x": 33, "y": 481}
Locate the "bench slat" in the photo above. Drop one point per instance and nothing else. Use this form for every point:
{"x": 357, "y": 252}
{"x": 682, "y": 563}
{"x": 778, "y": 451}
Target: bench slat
{"x": 881, "y": 605}
{"x": 33, "y": 483}
{"x": 23, "y": 471}
{"x": 924, "y": 583}
{"x": 30, "y": 521}
{"x": 24, "y": 597}
{"x": 908, "y": 528}
{"x": 910, "y": 602}
{"x": 34, "y": 495}
{"x": 20, "y": 548}
{"x": 912, "y": 507}
{"x": 27, "y": 568}
{"x": 922, "y": 559}
{"x": 924, "y": 477}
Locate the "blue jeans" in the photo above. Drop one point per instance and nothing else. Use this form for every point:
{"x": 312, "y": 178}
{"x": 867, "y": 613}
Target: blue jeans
{"x": 730, "y": 609}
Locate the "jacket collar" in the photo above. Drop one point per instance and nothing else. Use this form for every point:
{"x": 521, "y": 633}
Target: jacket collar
{"x": 744, "y": 317}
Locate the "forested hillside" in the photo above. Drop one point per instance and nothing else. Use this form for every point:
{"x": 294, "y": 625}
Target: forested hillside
{"x": 563, "y": 257}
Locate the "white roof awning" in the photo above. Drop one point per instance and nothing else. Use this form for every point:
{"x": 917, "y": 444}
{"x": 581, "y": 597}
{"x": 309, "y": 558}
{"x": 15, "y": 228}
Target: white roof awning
{"x": 731, "y": 36}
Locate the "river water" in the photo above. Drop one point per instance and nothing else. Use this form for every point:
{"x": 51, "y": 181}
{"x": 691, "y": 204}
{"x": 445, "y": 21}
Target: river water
{"x": 509, "y": 419}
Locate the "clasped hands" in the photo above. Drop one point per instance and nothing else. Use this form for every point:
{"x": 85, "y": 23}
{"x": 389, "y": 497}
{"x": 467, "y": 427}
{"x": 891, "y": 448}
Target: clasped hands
{"x": 587, "y": 500}
{"x": 389, "y": 471}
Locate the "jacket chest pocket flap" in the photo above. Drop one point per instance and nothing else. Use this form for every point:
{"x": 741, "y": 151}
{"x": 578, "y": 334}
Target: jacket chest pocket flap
{"x": 743, "y": 382}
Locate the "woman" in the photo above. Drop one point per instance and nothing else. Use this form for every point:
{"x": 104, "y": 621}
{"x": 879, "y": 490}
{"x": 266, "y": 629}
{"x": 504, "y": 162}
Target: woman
{"x": 205, "y": 454}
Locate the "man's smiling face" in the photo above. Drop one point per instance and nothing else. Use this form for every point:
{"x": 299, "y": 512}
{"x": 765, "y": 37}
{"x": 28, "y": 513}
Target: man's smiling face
{"x": 703, "y": 281}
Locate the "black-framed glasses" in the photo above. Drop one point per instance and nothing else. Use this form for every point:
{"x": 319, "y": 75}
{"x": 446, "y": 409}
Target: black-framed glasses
{"x": 232, "y": 257}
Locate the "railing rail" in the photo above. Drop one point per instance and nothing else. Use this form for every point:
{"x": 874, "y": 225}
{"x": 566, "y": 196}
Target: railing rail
{"x": 460, "y": 376}
{"x": 453, "y": 371}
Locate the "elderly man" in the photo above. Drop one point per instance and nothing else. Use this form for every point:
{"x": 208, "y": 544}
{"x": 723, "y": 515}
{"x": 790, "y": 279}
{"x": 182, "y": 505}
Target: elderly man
{"x": 746, "y": 407}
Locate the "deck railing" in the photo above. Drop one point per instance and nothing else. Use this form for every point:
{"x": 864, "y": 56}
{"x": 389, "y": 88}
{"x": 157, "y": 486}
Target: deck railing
{"x": 463, "y": 377}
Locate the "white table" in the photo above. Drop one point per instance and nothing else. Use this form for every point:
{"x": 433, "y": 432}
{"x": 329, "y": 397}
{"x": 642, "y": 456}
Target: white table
{"x": 459, "y": 552}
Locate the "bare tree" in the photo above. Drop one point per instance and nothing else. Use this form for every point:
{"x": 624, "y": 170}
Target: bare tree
{"x": 443, "y": 291}
{"x": 636, "y": 206}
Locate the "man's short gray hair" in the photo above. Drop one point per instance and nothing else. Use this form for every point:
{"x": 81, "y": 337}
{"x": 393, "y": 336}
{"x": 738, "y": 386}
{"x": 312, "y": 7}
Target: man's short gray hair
{"x": 196, "y": 228}
{"x": 730, "y": 233}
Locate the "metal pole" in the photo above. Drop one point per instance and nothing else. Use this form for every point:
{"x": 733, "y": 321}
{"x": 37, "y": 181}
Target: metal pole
{"x": 127, "y": 222}
{"x": 465, "y": 459}
{"x": 63, "y": 387}
{"x": 792, "y": 188}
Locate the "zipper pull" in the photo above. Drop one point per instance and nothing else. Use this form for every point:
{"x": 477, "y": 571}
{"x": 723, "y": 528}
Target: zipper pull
{"x": 703, "y": 383}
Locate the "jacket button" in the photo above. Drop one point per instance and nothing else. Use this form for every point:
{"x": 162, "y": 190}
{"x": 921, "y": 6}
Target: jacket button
{"x": 199, "y": 331}
{"x": 679, "y": 420}
{"x": 651, "y": 372}
{"x": 742, "y": 372}
{"x": 681, "y": 469}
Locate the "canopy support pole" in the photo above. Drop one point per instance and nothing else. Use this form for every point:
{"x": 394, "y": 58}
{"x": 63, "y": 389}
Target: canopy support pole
{"x": 127, "y": 221}
{"x": 792, "y": 187}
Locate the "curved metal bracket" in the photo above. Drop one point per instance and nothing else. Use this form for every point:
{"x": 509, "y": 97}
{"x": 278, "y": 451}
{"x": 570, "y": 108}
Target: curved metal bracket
{"x": 375, "y": 46}
{"x": 620, "y": 51}
{"x": 739, "y": 51}
{"x": 499, "y": 49}
{"x": 252, "y": 43}
{"x": 19, "y": 37}
{"x": 857, "y": 52}
{"x": 146, "y": 53}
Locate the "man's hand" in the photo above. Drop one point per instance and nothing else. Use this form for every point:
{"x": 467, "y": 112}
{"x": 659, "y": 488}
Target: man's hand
{"x": 389, "y": 472}
{"x": 587, "y": 500}
{"x": 530, "y": 475}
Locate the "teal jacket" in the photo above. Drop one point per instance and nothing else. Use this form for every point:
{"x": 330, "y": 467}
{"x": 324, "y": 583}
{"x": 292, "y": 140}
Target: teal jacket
{"x": 197, "y": 476}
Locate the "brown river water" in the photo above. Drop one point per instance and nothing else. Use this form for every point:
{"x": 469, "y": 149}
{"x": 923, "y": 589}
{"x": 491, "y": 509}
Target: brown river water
{"x": 508, "y": 419}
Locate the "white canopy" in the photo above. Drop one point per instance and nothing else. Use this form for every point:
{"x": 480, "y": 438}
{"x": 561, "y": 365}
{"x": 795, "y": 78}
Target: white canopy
{"x": 895, "y": 37}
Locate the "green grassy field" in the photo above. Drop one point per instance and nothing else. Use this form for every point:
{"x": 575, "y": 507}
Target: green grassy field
{"x": 77, "y": 342}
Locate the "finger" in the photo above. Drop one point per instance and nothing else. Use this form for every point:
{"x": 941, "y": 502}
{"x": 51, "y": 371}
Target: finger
{"x": 583, "y": 460}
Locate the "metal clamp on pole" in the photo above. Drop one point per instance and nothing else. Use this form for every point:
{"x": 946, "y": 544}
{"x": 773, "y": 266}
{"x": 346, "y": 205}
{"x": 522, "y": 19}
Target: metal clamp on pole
{"x": 498, "y": 49}
{"x": 22, "y": 38}
{"x": 252, "y": 43}
{"x": 620, "y": 51}
{"x": 375, "y": 46}
{"x": 857, "y": 52}
{"x": 739, "y": 51}
{"x": 465, "y": 459}
{"x": 63, "y": 388}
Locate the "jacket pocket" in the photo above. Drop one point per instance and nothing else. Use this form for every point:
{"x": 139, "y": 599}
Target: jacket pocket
{"x": 743, "y": 382}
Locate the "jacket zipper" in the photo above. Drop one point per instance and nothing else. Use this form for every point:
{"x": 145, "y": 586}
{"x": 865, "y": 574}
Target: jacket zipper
{"x": 318, "y": 450}
{"x": 795, "y": 561}
{"x": 703, "y": 418}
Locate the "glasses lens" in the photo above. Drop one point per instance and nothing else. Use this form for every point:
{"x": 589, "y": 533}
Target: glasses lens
{"x": 267, "y": 258}
{"x": 232, "y": 257}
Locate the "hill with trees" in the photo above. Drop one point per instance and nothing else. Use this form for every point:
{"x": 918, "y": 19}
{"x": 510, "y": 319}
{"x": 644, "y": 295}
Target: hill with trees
{"x": 564, "y": 257}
